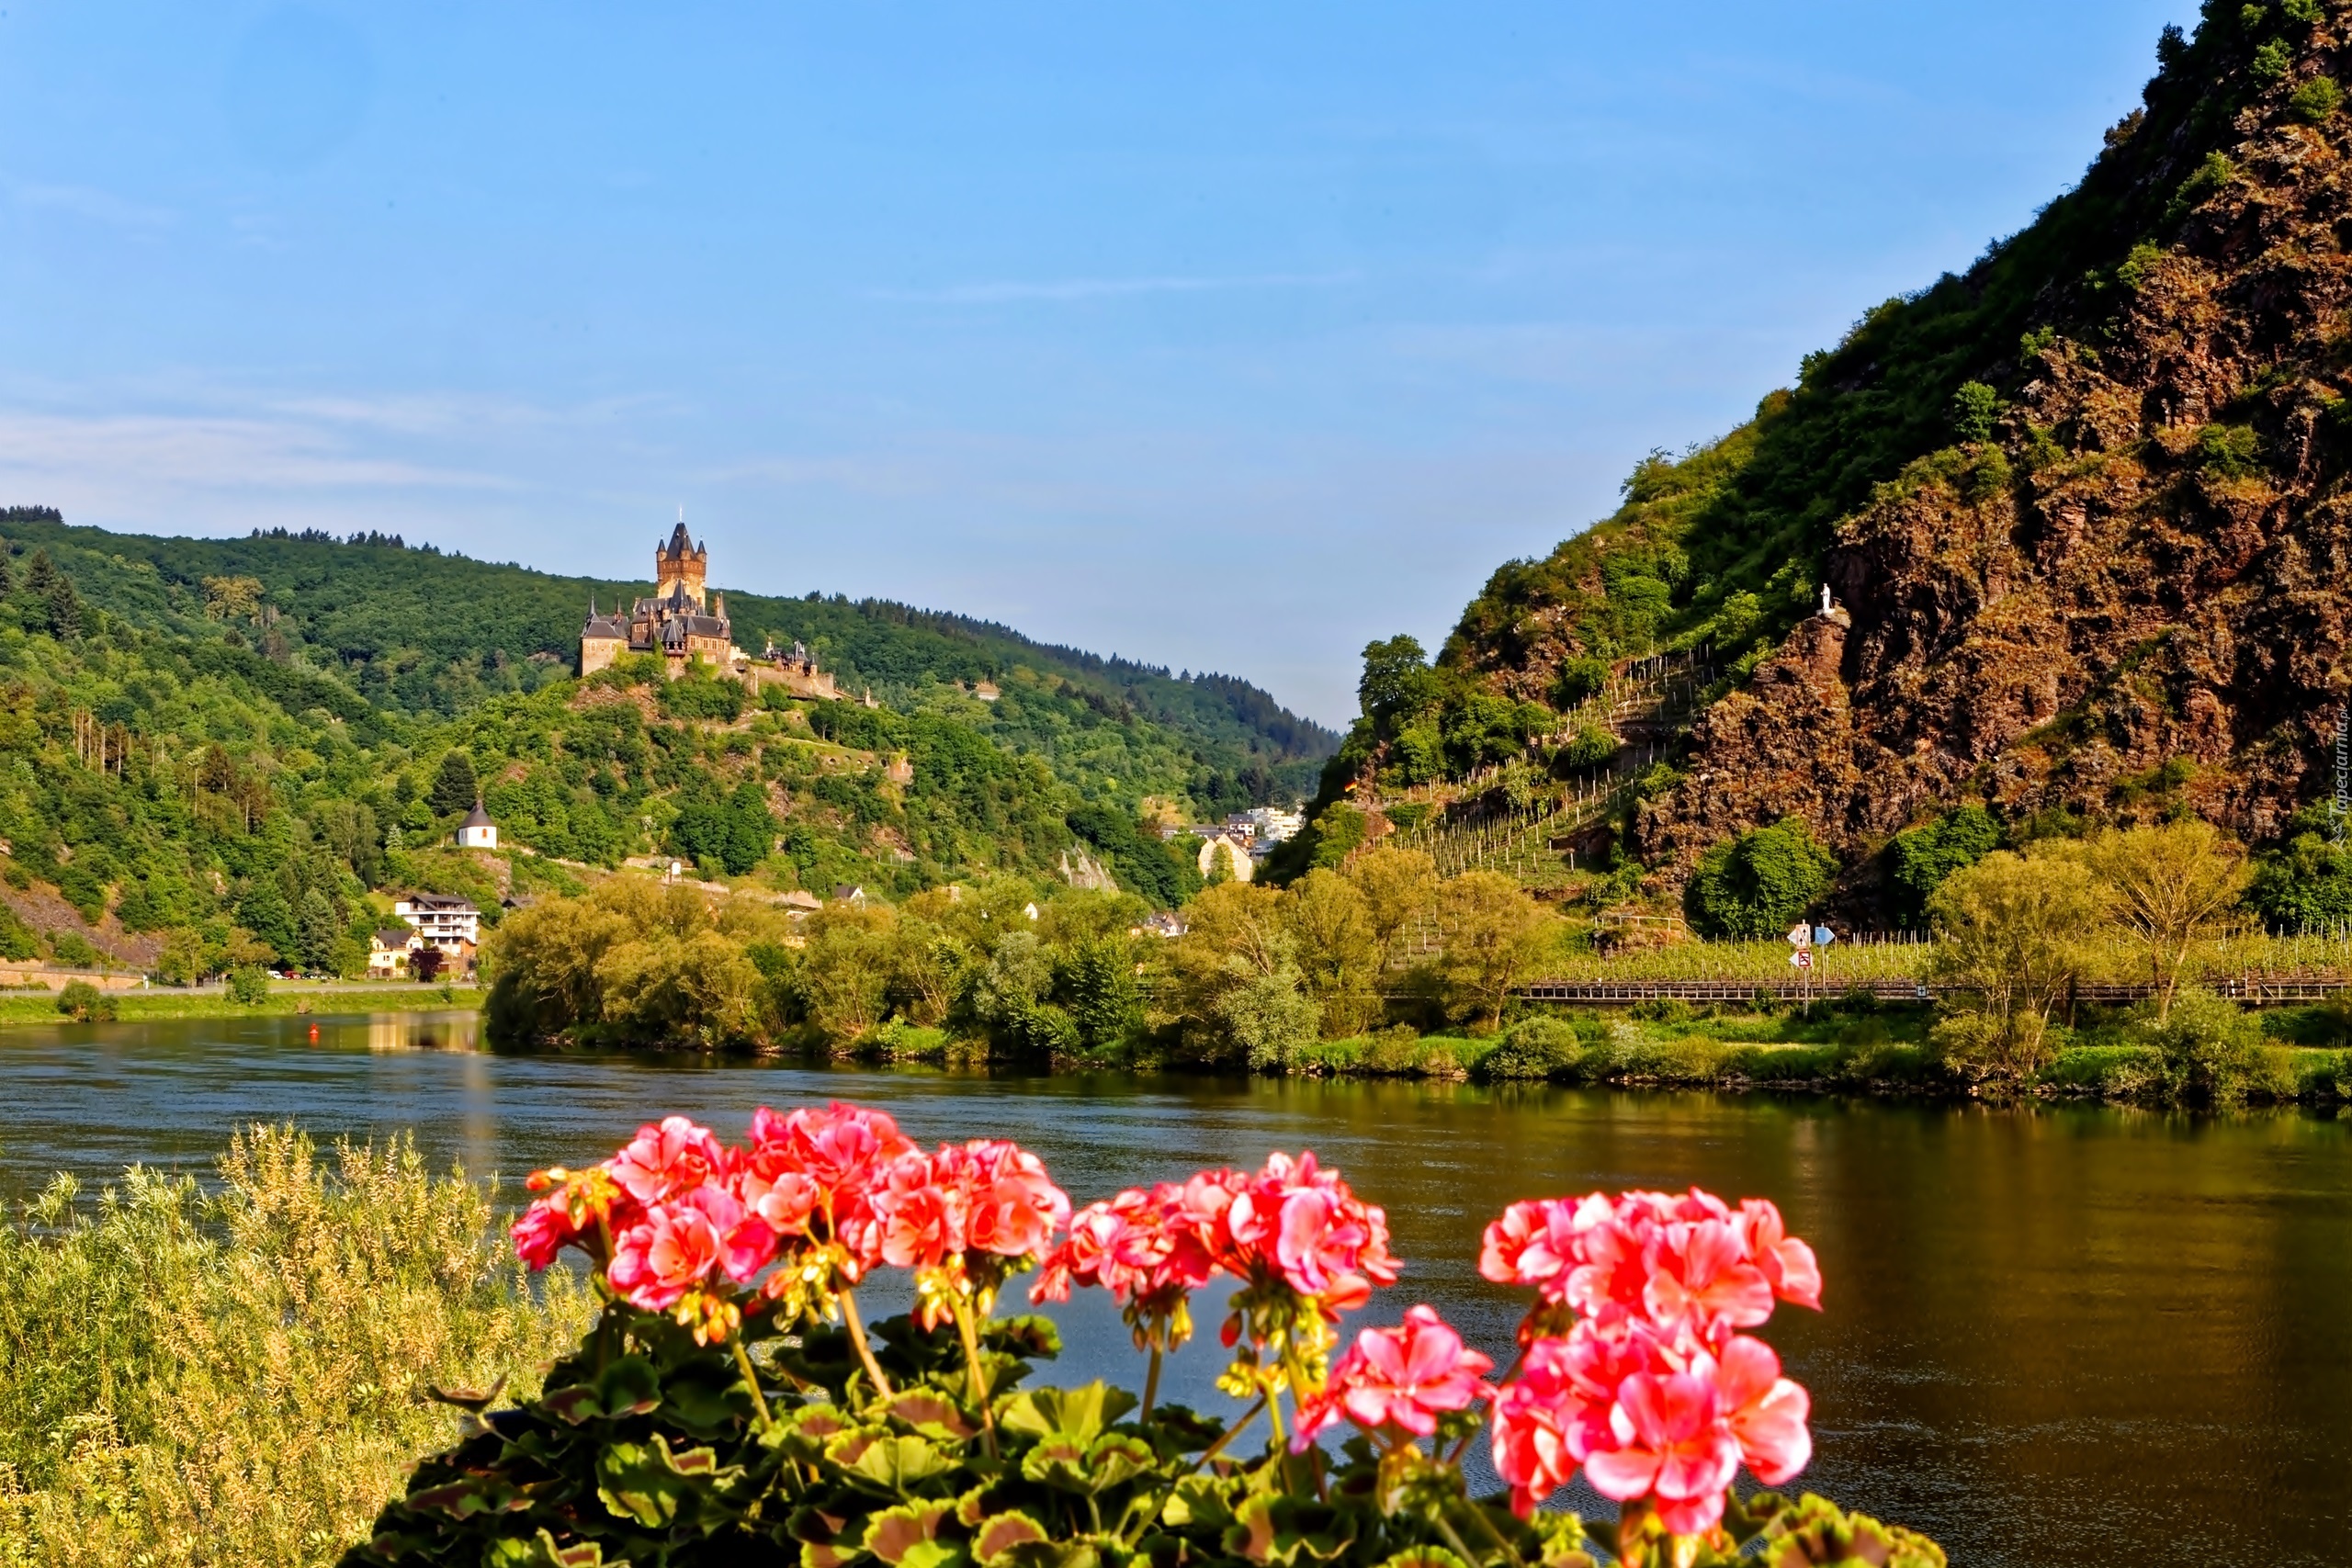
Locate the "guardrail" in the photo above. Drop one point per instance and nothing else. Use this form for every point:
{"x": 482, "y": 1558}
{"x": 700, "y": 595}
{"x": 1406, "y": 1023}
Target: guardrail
{"x": 2259, "y": 989}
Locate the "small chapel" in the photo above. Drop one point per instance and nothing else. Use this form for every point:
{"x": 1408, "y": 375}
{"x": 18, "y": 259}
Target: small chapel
{"x": 688, "y": 626}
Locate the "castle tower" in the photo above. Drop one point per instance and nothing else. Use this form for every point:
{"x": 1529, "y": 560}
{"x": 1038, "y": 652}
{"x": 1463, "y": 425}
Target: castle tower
{"x": 680, "y": 565}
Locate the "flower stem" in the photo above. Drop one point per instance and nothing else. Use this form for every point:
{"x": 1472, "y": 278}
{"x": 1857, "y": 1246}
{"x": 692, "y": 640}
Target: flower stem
{"x": 752, "y": 1382}
{"x": 1150, "y": 1386}
{"x": 857, "y": 1337}
{"x": 980, "y": 1378}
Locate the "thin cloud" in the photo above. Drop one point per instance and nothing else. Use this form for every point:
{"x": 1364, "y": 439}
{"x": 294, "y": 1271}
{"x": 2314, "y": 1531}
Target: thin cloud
{"x": 208, "y": 452}
{"x": 88, "y": 201}
{"x": 1073, "y": 289}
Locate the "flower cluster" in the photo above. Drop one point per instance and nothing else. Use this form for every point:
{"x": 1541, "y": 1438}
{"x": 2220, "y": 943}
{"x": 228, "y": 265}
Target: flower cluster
{"x": 1651, "y": 1389}
{"x": 676, "y": 1216}
{"x": 1290, "y": 1225}
{"x": 1402, "y": 1379}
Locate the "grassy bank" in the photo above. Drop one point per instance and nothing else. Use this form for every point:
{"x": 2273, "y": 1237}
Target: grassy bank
{"x": 20, "y": 1008}
{"x": 1880, "y": 1050}
{"x": 194, "y": 1380}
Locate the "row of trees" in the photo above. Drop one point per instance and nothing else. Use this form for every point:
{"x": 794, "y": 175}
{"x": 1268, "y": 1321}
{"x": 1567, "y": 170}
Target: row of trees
{"x": 1024, "y": 971}
{"x": 2021, "y": 930}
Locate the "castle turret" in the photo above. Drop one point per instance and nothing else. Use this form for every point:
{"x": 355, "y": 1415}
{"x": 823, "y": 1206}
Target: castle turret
{"x": 680, "y": 565}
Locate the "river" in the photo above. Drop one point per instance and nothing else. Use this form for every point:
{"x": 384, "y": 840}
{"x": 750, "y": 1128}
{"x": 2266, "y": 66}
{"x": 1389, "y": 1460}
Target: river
{"x": 2077, "y": 1336}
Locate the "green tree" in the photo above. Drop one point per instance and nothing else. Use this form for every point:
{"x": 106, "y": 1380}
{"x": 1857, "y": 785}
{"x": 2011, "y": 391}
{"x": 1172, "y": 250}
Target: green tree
{"x": 1339, "y": 953}
{"x": 1975, "y": 408}
{"x": 1397, "y": 683}
{"x": 2010, "y": 929}
{"x": 454, "y": 786}
{"x": 1096, "y": 979}
{"x": 1759, "y": 883}
{"x": 2168, "y": 887}
{"x": 1495, "y": 937}
{"x": 1922, "y": 857}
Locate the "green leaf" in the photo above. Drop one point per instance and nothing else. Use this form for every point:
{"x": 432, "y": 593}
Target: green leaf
{"x": 893, "y": 1532}
{"x": 1029, "y": 1336}
{"x": 1115, "y": 1459}
{"x": 886, "y": 1460}
{"x": 1059, "y": 1461}
{"x": 541, "y": 1551}
{"x": 646, "y": 1482}
{"x": 1082, "y": 1413}
{"x": 1424, "y": 1557}
{"x": 934, "y": 1555}
{"x": 1001, "y": 1533}
{"x": 628, "y": 1387}
{"x": 931, "y": 1415}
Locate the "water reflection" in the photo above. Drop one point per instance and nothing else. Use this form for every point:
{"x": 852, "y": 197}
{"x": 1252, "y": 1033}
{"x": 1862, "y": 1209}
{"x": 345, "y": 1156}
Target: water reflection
{"x": 2065, "y": 1334}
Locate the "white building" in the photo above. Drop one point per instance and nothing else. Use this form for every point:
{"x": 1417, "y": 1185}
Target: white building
{"x": 478, "y": 831}
{"x": 450, "y": 924}
{"x": 1233, "y": 852}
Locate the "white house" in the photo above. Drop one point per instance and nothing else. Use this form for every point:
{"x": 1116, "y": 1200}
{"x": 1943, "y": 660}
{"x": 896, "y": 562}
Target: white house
{"x": 478, "y": 831}
{"x": 450, "y": 924}
{"x": 1232, "y": 851}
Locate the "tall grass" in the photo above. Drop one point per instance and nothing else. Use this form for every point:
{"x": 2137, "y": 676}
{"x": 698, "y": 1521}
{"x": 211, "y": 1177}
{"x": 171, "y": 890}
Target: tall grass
{"x": 241, "y": 1377}
{"x": 1871, "y": 958}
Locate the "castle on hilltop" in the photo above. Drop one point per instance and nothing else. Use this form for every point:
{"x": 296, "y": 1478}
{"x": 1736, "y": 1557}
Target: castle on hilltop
{"x": 688, "y": 626}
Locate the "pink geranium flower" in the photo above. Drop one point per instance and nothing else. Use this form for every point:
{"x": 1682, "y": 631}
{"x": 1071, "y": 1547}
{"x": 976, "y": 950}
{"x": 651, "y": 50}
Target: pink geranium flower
{"x": 1673, "y": 1447}
{"x": 540, "y": 1232}
{"x": 1766, "y": 1412}
{"x": 1700, "y": 1280}
{"x": 673, "y": 1249}
{"x": 1402, "y": 1378}
{"x": 667, "y": 1161}
{"x": 1787, "y": 1263}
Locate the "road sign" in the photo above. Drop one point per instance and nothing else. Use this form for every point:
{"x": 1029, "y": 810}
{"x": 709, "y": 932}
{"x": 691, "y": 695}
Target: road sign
{"x": 1801, "y": 959}
{"x": 1800, "y": 936}
{"x": 1822, "y": 936}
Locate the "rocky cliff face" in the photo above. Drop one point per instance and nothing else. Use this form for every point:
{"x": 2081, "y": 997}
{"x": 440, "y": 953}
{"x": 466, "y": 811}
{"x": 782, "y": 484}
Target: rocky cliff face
{"x": 2115, "y": 576}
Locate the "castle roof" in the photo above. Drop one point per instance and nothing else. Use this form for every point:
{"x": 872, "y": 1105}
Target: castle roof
{"x": 606, "y": 627}
{"x": 679, "y": 544}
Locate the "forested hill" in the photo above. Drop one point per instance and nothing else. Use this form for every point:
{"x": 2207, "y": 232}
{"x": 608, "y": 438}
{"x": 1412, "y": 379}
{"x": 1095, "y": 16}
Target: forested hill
{"x": 218, "y": 753}
{"x": 2084, "y": 508}
{"x": 424, "y": 631}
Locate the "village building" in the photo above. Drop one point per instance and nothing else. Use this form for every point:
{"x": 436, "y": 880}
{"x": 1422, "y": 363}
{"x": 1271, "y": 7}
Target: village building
{"x": 478, "y": 831}
{"x": 686, "y": 625}
{"x": 451, "y": 924}
{"x": 388, "y": 951}
{"x": 1232, "y": 853}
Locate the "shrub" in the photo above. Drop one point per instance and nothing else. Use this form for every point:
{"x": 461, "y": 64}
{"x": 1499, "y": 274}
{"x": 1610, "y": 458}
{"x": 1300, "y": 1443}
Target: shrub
{"x": 1921, "y": 858}
{"x": 1757, "y": 884}
{"x": 2212, "y": 1050}
{"x": 85, "y": 1003}
{"x": 1531, "y": 1049}
{"x": 1975, "y": 408}
{"x": 2316, "y": 101}
{"x": 2232, "y": 451}
{"x": 248, "y": 984}
{"x": 1579, "y": 679}
{"x": 188, "y": 1380}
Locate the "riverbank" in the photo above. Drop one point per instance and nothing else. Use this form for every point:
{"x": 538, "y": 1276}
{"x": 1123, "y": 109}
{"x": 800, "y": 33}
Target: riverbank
{"x": 2284, "y": 1055}
{"x": 19, "y": 1009}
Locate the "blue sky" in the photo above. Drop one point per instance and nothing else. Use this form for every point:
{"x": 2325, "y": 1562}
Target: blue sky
{"x": 1220, "y": 336}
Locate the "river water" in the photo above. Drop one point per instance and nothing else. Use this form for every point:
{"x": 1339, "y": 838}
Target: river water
{"x": 2050, "y": 1335}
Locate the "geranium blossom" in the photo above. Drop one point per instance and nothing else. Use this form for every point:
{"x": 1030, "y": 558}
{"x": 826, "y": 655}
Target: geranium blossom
{"x": 1403, "y": 1377}
{"x": 1652, "y": 1389}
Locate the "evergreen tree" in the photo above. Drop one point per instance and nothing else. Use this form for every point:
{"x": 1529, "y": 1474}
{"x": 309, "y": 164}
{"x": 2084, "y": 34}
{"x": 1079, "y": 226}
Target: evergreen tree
{"x": 40, "y": 573}
{"x": 315, "y": 938}
{"x": 454, "y": 786}
{"x": 64, "y": 609}
{"x": 8, "y": 572}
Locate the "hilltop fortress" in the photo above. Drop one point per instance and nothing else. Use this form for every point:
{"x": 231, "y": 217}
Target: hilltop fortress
{"x": 686, "y": 626}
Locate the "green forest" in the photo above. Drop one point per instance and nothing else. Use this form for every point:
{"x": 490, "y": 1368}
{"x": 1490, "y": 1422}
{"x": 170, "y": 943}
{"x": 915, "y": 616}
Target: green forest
{"x": 229, "y": 753}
